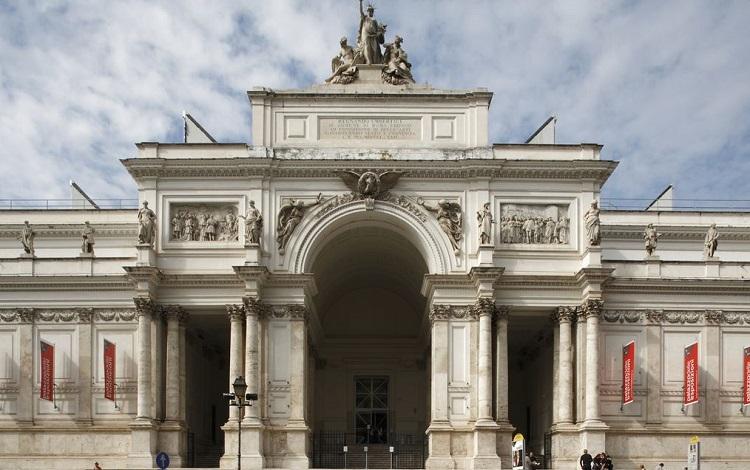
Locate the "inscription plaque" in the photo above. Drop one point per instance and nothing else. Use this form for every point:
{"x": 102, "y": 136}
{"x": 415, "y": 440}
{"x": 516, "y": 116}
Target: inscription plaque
{"x": 358, "y": 128}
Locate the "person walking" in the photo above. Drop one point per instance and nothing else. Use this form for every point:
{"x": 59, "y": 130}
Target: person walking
{"x": 585, "y": 461}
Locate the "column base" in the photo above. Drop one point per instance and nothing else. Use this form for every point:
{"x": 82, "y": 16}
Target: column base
{"x": 503, "y": 439}
{"x": 593, "y": 436}
{"x": 172, "y": 440}
{"x": 439, "y": 439}
{"x": 252, "y": 446}
{"x": 566, "y": 445}
{"x": 143, "y": 443}
{"x": 485, "y": 446}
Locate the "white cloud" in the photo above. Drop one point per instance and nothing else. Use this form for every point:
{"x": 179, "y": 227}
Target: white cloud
{"x": 663, "y": 85}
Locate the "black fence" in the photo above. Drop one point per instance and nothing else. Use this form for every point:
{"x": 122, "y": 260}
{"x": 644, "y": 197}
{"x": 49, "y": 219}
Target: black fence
{"x": 332, "y": 449}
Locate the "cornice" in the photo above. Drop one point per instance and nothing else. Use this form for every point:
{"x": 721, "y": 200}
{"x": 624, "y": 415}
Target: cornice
{"x": 109, "y": 230}
{"x": 444, "y": 164}
{"x": 695, "y": 286}
{"x": 673, "y": 232}
{"x": 66, "y": 282}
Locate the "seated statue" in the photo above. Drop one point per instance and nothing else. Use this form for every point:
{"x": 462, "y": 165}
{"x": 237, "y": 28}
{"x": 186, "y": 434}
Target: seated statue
{"x": 397, "y": 70}
{"x": 342, "y": 66}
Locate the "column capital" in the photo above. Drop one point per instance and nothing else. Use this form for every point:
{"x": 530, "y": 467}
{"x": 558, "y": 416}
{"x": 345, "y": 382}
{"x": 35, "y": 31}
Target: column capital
{"x": 144, "y": 306}
{"x": 592, "y": 308}
{"x": 502, "y": 312}
{"x": 296, "y": 312}
{"x": 85, "y": 315}
{"x": 484, "y": 307}
{"x": 253, "y": 306}
{"x": 175, "y": 312}
{"x": 236, "y": 312}
{"x": 564, "y": 313}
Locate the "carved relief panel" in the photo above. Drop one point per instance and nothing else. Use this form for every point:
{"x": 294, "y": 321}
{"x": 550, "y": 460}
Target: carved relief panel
{"x": 535, "y": 224}
{"x": 206, "y": 221}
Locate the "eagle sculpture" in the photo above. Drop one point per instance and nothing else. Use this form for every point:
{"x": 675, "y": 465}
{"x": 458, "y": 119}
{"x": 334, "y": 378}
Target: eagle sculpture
{"x": 370, "y": 185}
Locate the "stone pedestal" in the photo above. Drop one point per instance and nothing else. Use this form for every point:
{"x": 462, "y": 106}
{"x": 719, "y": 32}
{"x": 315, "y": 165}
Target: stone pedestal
{"x": 26, "y": 264}
{"x": 485, "y": 447}
{"x": 439, "y": 450}
{"x": 503, "y": 439}
{"x": 653, "y": 266}
{"x": 297, "y": 439}
{"x": 592, "y": 256}
{"x": 485, "y": 254}
{"x": 146, "y": 255}
{"x": 712, "y": 267}
{"x": 172, "y": 440}
{"x": 593, "y": 437}
{"x": 566, "y": 446}
{"x": 252, "y": 254}
{"x": 143, "y": 443}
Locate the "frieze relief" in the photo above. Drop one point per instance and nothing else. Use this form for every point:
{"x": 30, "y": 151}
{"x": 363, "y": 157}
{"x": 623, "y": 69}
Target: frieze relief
{"x": 17, "y": 315}
{"x": 287, "y": 312}
{"x": 534, "y": 224}
{"x": 677, "y": 317}
{"x": 203, "y": 222}
{"x": 115, "y": 315}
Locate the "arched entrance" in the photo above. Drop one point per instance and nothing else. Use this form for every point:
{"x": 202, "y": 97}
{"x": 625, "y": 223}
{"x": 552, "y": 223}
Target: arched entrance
{"x": 370, "y": 385}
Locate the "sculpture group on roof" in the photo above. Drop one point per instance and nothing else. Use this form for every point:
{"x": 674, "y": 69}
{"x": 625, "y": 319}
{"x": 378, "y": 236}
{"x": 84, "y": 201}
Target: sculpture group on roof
{"x": 396, "y": 67}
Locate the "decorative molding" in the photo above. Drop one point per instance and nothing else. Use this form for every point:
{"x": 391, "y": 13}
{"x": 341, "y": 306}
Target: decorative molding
{"x": 115, "y": 315}
{"x": 286, "y": 312}
{"x": 617, "y": 392}
{"x": 673, "y": 232}
{"x": 442, "y": 312}
{"x": 622, "y": 316}
{"x": 654, "y": 317}
{"x": 55, "y": 315}
{"x": 401, "y": 201}
{"x": 17, "y": 315}
{"x": 682, "y": 317}
{"x": 113, "y": 230}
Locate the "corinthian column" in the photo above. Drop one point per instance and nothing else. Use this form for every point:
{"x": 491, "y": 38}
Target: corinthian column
{"x": 564, "y": 317}
{"x": 501, "y": 363}
{"x": 175, "y": 315}
{"x": 236, "y": 316}
{"x": 144, "y": 307}
{"x": 297, "y": 362}
{"x": 252, "y": 312}
{"x": 485, "y": 308}
{"x": 592, "y": 309}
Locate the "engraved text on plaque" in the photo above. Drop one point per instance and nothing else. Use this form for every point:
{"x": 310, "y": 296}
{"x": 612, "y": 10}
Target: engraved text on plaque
{"x": 357, "y": 128}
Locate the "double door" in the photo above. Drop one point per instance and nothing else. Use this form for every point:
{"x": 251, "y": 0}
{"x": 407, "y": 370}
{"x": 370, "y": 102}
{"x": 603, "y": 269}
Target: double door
{"x": 371, "y": 410}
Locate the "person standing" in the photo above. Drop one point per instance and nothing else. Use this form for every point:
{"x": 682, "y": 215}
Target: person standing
{"x": 585, "y": 461}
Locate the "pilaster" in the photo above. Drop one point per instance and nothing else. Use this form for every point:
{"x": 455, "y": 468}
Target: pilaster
{"x": 85, "y": 317}
{"x": 25, "y": 410}
{"x": 653, "y": 368}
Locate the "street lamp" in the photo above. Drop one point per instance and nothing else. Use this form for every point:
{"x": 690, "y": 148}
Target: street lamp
{"x": 240, "y": 399}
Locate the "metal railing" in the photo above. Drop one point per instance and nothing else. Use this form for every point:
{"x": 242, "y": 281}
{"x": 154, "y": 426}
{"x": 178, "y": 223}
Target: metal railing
{"x": 67, "y": 204}
{"x": 640, "y": 204}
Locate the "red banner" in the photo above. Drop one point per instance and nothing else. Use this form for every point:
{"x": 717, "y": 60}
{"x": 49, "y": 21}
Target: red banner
{"x": 746, "y": 377}
{"x": 691, "y": 374}
{"x": 109, "y": 370}
{"x": 628, "y": 373}
{"x": 47, "y": 371}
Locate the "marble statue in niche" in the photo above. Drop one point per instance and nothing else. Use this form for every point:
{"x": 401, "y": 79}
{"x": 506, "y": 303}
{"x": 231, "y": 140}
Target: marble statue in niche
{"x": 87, "y": 238}
{"x": 27, "y": 238}
{"x": 534, "y": 224}
{"x": 290, "y": 215}
{"x": 253, "y": 224}
{"x": 450, "y": 218}
{"x": 146, "y": 225}
{"x": 591, "y": 219}
{"x": 484, "y": 218}
{"x": 711, "y": 242}
{"x": 650, "y": 237}
{"x": 204, "y": 222}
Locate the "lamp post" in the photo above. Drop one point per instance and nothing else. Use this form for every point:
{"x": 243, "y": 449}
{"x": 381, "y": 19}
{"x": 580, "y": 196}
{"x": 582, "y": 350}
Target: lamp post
{"x": 240, "y": 399}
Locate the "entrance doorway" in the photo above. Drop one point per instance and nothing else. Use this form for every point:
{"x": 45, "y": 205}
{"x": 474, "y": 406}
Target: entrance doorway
{"x": 371, "y": 385}
{"x": 371, "y": 412}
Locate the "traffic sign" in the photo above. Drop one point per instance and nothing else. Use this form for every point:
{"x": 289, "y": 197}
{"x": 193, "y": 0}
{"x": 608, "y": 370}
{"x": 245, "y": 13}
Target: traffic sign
{"x": 162, "y": 460}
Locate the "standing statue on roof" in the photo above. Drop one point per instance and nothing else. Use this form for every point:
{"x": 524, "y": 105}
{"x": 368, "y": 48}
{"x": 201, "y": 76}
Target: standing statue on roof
{"x": 371, "y": 36}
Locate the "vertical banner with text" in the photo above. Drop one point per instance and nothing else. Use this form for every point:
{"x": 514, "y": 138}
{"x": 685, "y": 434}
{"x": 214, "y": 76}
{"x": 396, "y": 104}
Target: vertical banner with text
{"x": 746, "y": 377}
{"x": 628, "y": 373}
{"x": 691, "y": 373}
{"x": 109, "y": 370}
{"x": 46, "y": 370}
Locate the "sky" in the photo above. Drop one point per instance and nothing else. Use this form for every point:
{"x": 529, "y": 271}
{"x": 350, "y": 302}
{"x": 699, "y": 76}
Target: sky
{"x": 663, "y": 85}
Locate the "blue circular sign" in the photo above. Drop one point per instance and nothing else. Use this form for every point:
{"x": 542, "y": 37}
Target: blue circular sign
{"x": 162, "y": 460}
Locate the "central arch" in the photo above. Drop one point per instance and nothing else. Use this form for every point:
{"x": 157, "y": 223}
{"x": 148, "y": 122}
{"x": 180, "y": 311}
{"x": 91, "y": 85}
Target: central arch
{"x": 370, "y": 382}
